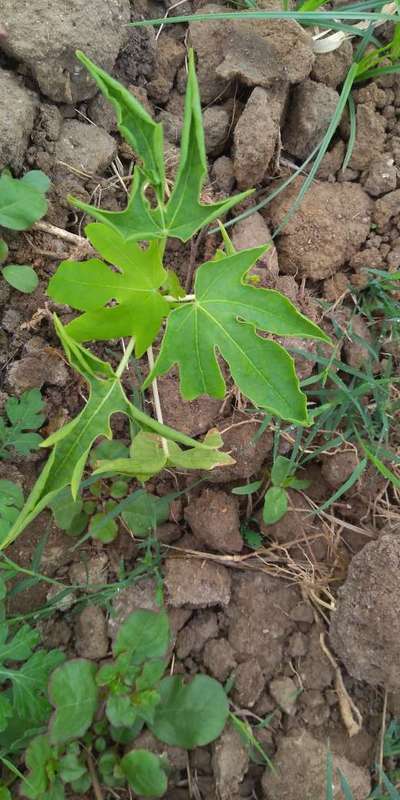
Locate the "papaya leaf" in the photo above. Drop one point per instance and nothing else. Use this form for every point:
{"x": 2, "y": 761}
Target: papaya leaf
{"x": 72, "y": 443}
{"x": 224, "y": 316}
{"x": 148, "y": 456}
{"x": 137, "y": 221}
{"x": 184, "y": 214}
{"x": 134, "y": 123}
{"x": 89, "y": 285}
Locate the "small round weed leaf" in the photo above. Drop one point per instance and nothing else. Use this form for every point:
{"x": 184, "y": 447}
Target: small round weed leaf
{"x": 120, "y": 710}
{"x": 103, "y": 531}
{"x": 275, "y": 505}
{"x": 21, "y": 277}
{"x": 144, "y": 634}
{"x": 145, "y": 773}
{"x": 73, "y": 693}
{"x": 4, "y": 793}
{"x": 190, "y": 715}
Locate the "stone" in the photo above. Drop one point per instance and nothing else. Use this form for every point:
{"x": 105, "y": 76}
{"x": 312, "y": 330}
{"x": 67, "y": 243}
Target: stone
{"x": 196, "y": 584}
{"x": 332, "y": 160}
{"x": 219, "y": 659}
{"x": 370, "y": 137}
{"x": 17, "y": 116}
{"x": 285, "y": 692}
{"x": 214, "y": 520}
{"x": 255, "y": 139}
{"x": 230, "y": 763}
{"x": 381, "y": 177}
{"x": 33, "y": 372}
{"x": 332, "y": 68}
{"x": 297, "y": 645}
{"x": 216, "y": 122}
{"x": 169, "y": 56}
{"x": 249, "y": 683}
{"x": 356, "y": 352}
{"x": 315, "y": 670}
{"x": 297, "y": 529}
{"x": 86, "y": 148}
{"x": 193, "y": 637}
{"x": 176, "y": 756}
{"x": 331, "y": 224}
{"x": 91, "y": 573}
{"x": 386, "y": 207}
{"x": 258, "y": 618}
{"x": 249, "y": 451}
{"x": 91, "y": 640}
{"x": 257, "y": 52}
{"x": 193, "y": 418}
{"x": 338, "y": 467}
{"x": 311, "y": 110}
{"x": 141, "y": 594}
{"x": 223, "y": 174}
{"x": 300, "y": 771}
{"x": 365, "y": 626}
{"x": 45, "y": 37}
{"x": 253, "y": 232}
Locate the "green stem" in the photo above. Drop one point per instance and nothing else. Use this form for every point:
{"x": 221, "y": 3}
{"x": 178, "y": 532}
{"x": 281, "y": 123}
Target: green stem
{"x": 125, "y": 358}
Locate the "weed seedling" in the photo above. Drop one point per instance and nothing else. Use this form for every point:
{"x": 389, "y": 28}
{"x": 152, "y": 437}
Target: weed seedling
{"x": 99, "y": 712}
{"x": 22, "y": 202}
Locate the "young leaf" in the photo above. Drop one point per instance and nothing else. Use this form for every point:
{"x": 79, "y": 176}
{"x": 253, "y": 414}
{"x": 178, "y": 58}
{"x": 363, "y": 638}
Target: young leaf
{"x": 134, "y": 124}
{"x": 145, "y": 703}
{"x": 22, "y": 200}
{"x": 105, "y": 530}
{"x": 190, "y": 715}
{"x": 120, "y": 711}
{"x": 89, "y": 285}
{"x": 282, "y": 467}
{"x": 151, "y": 674}
{"x": 148, "y": 456}
{"x": 144, "y": 634}
{"x": 145, "y": 773}
{"x": 68, "y": 512}
{"x": 11, "y": 502}
{"x": 73, "y": 693}
{"x": 21, "y": 277}
{"x": 225, "y": 315}
{"x": 30, "y": 685}
{"x": 24, "y": 414}
{"x": 275, "y": 505}
{"x": 144, "y": 512}
{"x": 37, "y": 756}
{"x": 185, "y": 214}
{"x": 71, "y": 767}
{"x": 6, "y": 711}
{"x": 247, "y": 488}
{"x": 3, "y": 250}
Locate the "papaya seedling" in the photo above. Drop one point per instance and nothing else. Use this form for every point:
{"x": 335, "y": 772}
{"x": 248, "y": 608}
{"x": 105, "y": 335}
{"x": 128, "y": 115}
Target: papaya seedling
{"x": 99, "y": 712}
{"x": 22, "y": 202}
{"x": 129, "y": 293}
